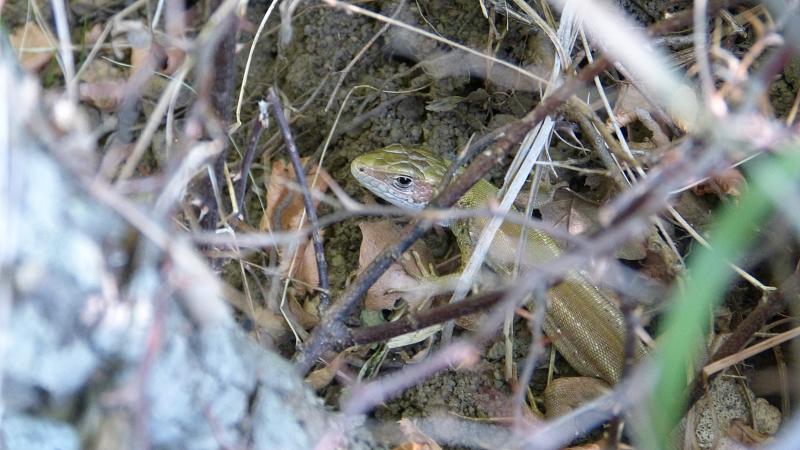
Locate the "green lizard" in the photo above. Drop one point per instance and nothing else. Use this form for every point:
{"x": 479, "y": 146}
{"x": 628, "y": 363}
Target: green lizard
{"x": 585, "y": 325}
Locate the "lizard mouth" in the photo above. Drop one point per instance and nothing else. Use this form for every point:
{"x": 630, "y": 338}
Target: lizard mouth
{"x": 362, "y": 174}
{"x": 367, "y": 178}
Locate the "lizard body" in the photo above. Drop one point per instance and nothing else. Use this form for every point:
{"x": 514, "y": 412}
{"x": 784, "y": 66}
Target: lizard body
{"x": 584, "y": 324}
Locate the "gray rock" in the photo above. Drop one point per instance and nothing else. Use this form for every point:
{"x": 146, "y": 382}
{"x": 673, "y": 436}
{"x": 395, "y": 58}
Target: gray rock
{"x": 96, "y": 328}
{"x": 21, "y": 432}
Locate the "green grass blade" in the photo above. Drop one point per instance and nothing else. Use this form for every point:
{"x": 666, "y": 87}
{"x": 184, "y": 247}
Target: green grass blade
{"x": 707, "y": 280}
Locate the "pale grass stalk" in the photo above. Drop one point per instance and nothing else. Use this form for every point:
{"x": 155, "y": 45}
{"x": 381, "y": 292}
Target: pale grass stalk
{"x": 42, "y": 25}
{"x": 697, "y": 237}
{"x": 793, "y": 112}
{"x": 535, "y": 142}
{"x": 157, "y": 14}
{"x": 358, "y": 10}
{"x": 751, "y": 351}
{"x": 303, "y": 215}
{"x": 65, "y": 44}
{"x": 231, "y": 189}
{"x": 627, "y": 43}
{"x": 642, "y": 174}
{"x": 246, "y": 74}
{"x": 154, "y": 121}
{"x": 701, "y": 50}
{"x": 627, "y": 172}
{"x": 548, "y": 30}
{"x": 173, "y": 191}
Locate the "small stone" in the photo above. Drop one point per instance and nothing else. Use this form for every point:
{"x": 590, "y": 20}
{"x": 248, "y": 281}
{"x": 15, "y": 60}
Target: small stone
{"x": 768, "y": 417}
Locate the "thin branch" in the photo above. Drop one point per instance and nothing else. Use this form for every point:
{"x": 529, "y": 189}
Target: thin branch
{"x": 632, "y": 321}
{"x": 331, "y": 330}
{"x": 366, "y": 396}
{"x": 768, "y": 307}
{"x": 65, "y": 48}
{"x": 415, "y": 322}
{"x": 701, "y": 50}
{"x": 215, "y": 78}
{"x": 260, "y": 123}
{"x": 256, "y": 38}
{"x": 294, "y": 156}
{"x": 535, "y": 350}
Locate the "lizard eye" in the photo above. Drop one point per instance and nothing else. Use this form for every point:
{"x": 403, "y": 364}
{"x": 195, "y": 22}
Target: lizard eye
{"x": 402, "y": 182}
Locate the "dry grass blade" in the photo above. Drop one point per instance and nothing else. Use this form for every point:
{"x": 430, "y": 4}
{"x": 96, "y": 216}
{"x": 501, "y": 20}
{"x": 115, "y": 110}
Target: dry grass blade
{"x": 749, "y": 352}
{"x": 649, "y": 172}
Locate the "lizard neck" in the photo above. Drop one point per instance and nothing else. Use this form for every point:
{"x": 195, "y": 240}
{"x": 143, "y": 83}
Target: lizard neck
{"x": 478, "y": 195}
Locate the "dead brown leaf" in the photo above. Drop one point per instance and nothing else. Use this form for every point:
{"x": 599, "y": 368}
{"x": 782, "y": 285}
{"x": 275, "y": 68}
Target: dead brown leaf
{"x": 632, "y": 106}
{"x": 34, "y": 46}
{"x": 729, "y": 182}
{"x": 103, "y": 95}
{"x": 305, "y": 318}
{"x": 416, "y": 439}
{"x": 103, "y": 85}
{"x": 745, "y": 434}
{"x": 323, "y": 376}
{"x": 175, "y": 57}
{"x": 289, "y": 204}
{"x": 396, "y": 282}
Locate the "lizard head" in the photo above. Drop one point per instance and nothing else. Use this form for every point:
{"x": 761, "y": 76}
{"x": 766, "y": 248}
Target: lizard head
{"x": 403, "y": 176}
